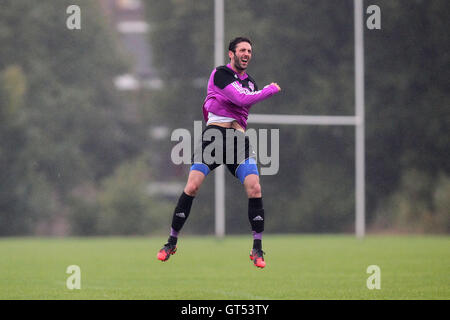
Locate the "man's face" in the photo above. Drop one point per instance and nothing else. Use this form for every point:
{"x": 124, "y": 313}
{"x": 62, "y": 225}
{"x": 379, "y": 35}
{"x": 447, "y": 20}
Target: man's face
{"x": 242, "y": 55}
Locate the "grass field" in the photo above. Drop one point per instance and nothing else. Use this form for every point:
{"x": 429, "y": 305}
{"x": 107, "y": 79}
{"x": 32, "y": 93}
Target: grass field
{"x": 298, "y": 267}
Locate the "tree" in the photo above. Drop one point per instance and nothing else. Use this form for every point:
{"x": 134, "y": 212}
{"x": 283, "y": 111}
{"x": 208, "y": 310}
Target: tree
{"x": 67, "y": 125}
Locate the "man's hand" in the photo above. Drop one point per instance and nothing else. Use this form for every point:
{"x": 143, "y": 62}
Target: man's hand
{"x": 276, "y": 85}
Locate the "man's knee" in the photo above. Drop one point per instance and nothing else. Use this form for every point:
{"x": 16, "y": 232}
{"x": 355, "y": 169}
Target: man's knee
{"x": 197, "y": 175}
{"x": 253, "y": 189}
{"x": 192, "y": 188}
{"x": 193, "y": 184}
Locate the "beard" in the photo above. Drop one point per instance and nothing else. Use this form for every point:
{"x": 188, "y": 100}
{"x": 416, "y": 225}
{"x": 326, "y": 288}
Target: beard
{"x": 239, "y": 66}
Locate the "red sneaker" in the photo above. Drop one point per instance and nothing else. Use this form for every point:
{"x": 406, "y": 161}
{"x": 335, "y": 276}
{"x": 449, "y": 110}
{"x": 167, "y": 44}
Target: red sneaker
{"x": 166, "y": 251}
{"x": 257, "y": 256}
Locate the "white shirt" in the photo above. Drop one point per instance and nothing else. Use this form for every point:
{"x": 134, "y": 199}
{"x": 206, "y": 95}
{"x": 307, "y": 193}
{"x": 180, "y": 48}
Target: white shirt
{"x": 218, "y": 119}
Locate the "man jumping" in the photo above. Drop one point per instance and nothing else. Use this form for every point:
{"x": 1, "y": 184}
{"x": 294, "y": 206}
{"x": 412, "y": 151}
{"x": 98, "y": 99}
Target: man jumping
{"x": 231, "y": 93}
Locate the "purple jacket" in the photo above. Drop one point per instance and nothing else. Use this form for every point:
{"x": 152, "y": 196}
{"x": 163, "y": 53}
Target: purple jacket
{"x": 232, "y": 95}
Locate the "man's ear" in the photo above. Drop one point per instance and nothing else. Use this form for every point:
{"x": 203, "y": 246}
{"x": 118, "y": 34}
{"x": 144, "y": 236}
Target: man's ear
{"x": 230, "y": 54}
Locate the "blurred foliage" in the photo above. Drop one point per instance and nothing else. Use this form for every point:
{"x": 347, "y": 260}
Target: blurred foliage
{"x": 61, "y": 121}
{"x": 126, "y": 207}
{"x": 421, "y": 204}
{"x": 120, "y": 205}
{"x": 72, "y": 152}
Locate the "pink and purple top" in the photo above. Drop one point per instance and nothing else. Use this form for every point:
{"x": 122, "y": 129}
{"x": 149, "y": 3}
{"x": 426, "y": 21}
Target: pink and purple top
{"x": 232, "y": 95}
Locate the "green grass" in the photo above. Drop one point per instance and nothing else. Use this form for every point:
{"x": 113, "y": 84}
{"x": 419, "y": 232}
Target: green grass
{"x": 298, "y": 267}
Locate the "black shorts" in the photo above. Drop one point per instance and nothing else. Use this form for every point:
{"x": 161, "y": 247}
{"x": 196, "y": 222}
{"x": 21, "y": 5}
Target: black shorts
{"x": 225, "y": 146}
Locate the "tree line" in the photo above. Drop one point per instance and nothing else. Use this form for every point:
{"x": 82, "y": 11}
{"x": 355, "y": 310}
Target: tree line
{"x": 74, "y": 162}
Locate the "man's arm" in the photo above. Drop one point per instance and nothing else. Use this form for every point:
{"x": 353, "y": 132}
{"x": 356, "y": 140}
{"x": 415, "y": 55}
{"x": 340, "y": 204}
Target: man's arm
{"x": 241, "y": 96}
{"x": 228, "y": 86}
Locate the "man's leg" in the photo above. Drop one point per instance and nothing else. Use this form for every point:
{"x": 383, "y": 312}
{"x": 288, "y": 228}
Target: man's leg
{"x": 247, "y": 172}
{"x": 183, "y": 209}
{"x": 256, "y": 217}
{"x": 255, "y": 208}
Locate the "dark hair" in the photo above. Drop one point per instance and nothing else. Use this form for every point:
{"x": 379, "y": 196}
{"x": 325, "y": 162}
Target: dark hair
{"x": 236, "y": 41}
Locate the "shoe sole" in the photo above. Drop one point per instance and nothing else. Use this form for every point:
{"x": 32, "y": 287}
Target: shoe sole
{"x": 252, "y": 259}
{"x": 167, "y": 256}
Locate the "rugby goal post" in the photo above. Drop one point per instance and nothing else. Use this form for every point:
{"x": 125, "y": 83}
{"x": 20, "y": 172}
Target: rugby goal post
{"x": 357, "y": 120}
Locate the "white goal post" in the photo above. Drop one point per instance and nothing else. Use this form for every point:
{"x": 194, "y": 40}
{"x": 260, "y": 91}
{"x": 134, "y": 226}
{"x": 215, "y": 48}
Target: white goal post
{"x": 357, "y": 120}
